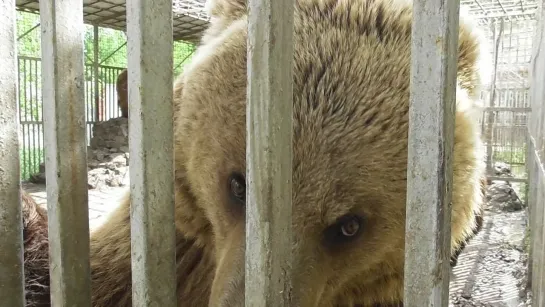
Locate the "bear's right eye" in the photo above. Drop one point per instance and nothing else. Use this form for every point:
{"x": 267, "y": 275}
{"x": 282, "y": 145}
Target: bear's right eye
{"x": 237, "y": 187}
{"x": 346, "y": 229}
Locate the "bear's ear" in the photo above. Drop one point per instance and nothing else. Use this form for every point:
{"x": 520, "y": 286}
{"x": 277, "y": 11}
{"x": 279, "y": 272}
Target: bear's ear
{"x": 228, "y": 10}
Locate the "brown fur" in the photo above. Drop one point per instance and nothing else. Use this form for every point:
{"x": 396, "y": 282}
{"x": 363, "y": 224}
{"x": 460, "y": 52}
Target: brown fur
{"x": 36, "y": 259}
{"x": 122, "y": 93}
{"x": 351, "y": 95}
{"x": 479, "y": 220}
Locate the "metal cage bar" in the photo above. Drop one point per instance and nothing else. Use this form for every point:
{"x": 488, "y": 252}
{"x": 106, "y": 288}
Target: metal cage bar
{"x": 11, "y": 240}
{"x": 65, "y": 151}
{"x": 431, "y": 140}
{"x": 536, "y": 167}
{"x": 269, "y": 150}
{"x": 153, "y": 233}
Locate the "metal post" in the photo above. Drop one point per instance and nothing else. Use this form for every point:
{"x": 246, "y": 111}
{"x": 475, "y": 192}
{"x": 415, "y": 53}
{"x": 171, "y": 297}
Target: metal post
{"x": 269, "y": 153}
{"x": 96, "y": 50}
{"x": 153, "y": 233}
{"x": 431, "y": 139}
{"x": 11, "y": 226}
{"x": 65, "y": 151}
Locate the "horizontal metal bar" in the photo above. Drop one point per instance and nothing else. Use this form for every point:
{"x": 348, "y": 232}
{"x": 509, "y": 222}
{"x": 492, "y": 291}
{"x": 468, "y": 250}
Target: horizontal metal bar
{"x": 504, "y": 109}
{"x": 510, "y": 179}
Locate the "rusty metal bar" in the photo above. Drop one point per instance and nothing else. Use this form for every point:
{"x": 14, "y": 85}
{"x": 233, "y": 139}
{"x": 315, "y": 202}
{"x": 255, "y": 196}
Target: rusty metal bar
{"x": 11, "y": 223}
{"x": 269, "y": 153}
{"x": 65, "y": 151}
{"x": 431, "y": 141}
{"x": 153, "y": 234}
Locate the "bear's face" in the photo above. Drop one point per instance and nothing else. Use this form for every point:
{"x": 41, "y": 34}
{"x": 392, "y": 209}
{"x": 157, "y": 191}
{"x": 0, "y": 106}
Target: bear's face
{"x": 351, "y": 94}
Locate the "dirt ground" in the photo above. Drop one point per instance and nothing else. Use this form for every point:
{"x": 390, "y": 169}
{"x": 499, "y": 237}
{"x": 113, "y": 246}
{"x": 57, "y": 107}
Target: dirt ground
{"x": 491, "y": 272}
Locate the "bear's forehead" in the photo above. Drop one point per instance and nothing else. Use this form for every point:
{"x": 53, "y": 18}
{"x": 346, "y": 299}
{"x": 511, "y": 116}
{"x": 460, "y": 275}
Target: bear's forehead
{"x": 350, "y": 114}
{"x": 348, "y": 88}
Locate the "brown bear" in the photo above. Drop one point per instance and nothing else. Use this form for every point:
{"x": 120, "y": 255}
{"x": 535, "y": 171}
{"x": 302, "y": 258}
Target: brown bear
{"x": 122, "y": 93}
{"x": 351, "y": 98}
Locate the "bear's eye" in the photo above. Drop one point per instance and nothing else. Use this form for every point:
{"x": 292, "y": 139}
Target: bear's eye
{"x": 237, "y": 186}
{"x": 350, "y": 228}
{"x": 345, "y": 229}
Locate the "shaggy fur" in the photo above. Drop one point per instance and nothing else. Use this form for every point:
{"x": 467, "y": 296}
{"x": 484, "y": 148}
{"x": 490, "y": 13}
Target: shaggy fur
{"x": 351, "y": 97}
{"x": 479, "y": 220}
{"x": 122, "y": 93}
{"x": 36, "y": 258}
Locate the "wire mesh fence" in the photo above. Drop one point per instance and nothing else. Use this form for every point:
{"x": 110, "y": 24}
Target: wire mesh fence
{"x": 506, "y": 100}
{"x": 101, "y": 72}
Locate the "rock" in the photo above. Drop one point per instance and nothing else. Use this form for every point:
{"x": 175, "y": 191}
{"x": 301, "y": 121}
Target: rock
{"x": 109, "y": 134}
{"x": 119, "y": 159}
{"x": 99, "y": 156}
{"x": 38, "y": 178}
{"x": 501, "y": 168}
{"x": 502, "y": 195}
{"x": 107, "y": 157}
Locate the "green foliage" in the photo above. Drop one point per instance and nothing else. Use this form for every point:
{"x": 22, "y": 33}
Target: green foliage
{"x": 515, "y": 155}
{"x": 28, "y": 34}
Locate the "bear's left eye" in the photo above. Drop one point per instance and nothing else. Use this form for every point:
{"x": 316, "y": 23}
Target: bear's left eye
{"x": 237, "y": 186}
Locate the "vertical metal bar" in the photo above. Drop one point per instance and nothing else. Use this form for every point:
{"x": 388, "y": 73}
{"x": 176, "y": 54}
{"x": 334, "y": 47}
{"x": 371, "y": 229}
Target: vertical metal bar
{"x": 269, "y": 153}
{"x": 66, "y": 151}
{"x": 33, "y": 124}
{"x": 30, "y": 118}
{"x": 39, "y": 102}
{"x": 112, "y": 104}
{"x": 11, "y": 240}
{"x": 114, "y": 108}
{"x": 115, "y": 74}
{"x": 492, "y": 115}
{"x": 35, "y": 132}
{"x": 153, "y": 239}
{"x": 20, "y": 86}
{"x": 33, "y": 103}
{"x": 512, "y": 139}
{"x": 26, "y": 169}
{"x": 539, "y": 243}
{"x": 96, "y": 50}
{"x": 530, "y": 199}
{"x": 537, "y": 180}
{"x": 431, "y": 139}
